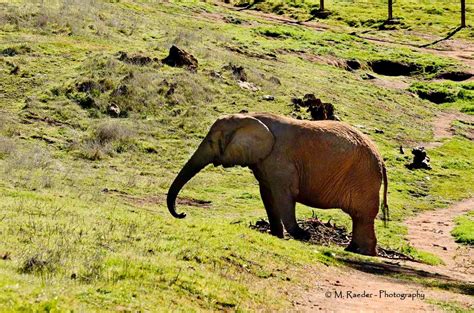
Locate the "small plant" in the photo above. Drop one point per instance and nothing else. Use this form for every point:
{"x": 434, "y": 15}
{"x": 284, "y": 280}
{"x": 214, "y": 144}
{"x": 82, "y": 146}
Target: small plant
{"x": 7, "y": 146}
{"x": 44, "y": 262}
{"x": 107, "y": 138}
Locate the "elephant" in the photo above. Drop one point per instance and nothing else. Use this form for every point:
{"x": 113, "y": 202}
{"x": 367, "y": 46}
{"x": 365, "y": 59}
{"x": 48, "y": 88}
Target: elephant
{"x": 321, "y": 164}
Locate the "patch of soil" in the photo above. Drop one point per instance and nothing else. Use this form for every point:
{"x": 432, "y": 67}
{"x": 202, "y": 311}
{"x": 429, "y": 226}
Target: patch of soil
{"x": 246, "y": 52}
{"x": 158, "y": 199}
{"x": 325, "y": 234}
{"x": 180, "y": 58}
{"x": 137, "y": 59}
{"x": 428, "y": 231}
{"x": 394, "y": 68}
{"x": 431, "y": 231}
{"x": 371, "y": 287}
{"x": 442, "y": 127}
{"x": 29, "y": 117}
{"x": 326, "y": 59}
{"x": 387, "y": 82}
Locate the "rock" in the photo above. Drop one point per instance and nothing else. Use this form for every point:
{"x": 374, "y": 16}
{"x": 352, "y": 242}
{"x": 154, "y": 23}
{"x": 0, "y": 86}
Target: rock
{"x": 215, "y": 75}
{"x": 120, "y": 91}
{"x": 247, "y": 85}
{"x": 113, "y": 110}
{"x": 15, "y": 70}
{"x": 180, "y": 58}
{"x": 420, "y": 159}
{"x": 268, "y": 97}
{"x": 237, "y": 71}
{"x": 368, "y": 76}
{"x": 135, "y": 59}
{"x": 232, "y": 20}
{"x": 275, "y": 80}
{"x": 317, "y": 109}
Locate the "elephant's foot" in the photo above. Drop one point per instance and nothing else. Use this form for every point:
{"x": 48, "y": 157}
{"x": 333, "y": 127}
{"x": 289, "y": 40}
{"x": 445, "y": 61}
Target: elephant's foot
{"x": 276, "y": 231}
{"x": 300, "y": 234}
{"x": 363, "y": 237}
{"x": 365, "y": 250}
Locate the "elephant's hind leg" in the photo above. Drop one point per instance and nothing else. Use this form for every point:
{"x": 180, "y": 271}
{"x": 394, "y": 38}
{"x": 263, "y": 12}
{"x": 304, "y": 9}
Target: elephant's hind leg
{"x": 363, "y": 236}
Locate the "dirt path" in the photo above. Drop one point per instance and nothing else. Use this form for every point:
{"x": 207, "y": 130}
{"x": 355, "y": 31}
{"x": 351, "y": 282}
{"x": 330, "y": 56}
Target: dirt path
{"x": 370, "y": 287}
{"x": 431, "y": 232}
{"x": 442, "y": 127}
{"x": 353, "y": 290}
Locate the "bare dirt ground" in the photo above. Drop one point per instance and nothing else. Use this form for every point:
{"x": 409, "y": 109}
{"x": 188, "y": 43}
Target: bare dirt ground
{"x": 442, "y": 127}
{"x": 373, "y": 287}
{"x": 431, "y": 232}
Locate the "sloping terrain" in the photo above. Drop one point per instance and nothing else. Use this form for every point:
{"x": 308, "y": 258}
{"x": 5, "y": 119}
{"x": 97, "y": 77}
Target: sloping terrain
{"x": 94, "y": 126}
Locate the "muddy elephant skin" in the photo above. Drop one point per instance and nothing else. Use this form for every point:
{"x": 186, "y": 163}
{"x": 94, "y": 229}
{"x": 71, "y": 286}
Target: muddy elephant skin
{"x": 322, "y": 164}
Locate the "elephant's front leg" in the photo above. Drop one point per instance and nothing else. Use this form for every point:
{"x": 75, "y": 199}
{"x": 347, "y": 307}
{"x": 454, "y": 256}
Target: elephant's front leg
{"x": 280, "y": 204}
{"x": 276, "y": 228}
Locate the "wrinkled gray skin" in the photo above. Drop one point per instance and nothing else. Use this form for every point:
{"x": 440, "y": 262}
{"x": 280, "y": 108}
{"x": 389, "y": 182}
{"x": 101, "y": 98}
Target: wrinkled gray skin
{"x": 322, "y": 164}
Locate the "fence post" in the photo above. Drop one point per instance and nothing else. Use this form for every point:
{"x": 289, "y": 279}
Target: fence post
{"x": 321, "y": 5}
{"x": 390, "y": 14}
{"x": 463, "y": 13}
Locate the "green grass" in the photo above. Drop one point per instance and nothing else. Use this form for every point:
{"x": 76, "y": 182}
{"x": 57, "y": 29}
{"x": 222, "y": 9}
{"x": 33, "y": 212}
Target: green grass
{"x": 435, "y": 17}
{"x": 82, "y": 209}
{"x": 464, "y": 229}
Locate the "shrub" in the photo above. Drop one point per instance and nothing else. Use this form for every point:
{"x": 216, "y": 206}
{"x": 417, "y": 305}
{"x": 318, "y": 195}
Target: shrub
{"x": 107, "y": 138}
{"x": 7, "y": 146}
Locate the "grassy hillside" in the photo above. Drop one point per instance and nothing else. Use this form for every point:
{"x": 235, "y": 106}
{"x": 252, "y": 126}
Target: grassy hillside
{"x": 429, "y": 17}
{"x": 83, "y": 223}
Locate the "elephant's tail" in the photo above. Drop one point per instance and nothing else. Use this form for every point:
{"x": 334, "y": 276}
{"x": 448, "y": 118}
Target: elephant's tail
{"x": 385, "y": 212}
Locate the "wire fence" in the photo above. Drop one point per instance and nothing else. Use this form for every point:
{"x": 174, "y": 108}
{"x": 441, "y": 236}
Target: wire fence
{"x": 424, "y": 7}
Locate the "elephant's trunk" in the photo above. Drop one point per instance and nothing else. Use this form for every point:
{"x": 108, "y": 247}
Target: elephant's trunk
{"x": 197, "y": 162}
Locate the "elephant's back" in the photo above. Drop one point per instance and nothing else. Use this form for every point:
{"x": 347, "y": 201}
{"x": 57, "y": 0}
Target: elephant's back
{"x": 339, "y": 166}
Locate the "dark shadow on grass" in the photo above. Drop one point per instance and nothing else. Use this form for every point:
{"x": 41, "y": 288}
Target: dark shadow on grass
{"x": 449, "y": 35}
{"x": 407, "y": 273}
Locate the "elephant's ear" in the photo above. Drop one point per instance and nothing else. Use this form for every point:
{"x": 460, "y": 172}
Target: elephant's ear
{"x": 250, "y": 143}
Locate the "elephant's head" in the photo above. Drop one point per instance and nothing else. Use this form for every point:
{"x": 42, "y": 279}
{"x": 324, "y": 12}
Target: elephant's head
{"x": 233, "y": 140}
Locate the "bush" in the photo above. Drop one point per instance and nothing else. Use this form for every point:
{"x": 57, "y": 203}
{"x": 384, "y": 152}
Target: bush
{"x": 107, "y": 138}
{"x": 7, "y": 146}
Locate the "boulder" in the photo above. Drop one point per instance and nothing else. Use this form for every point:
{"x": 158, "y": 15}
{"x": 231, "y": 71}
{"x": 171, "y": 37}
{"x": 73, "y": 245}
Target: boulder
{"x": 317, "y": 109}
{"x": 180, "y": 58}
{"x": 420, "y": 159}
